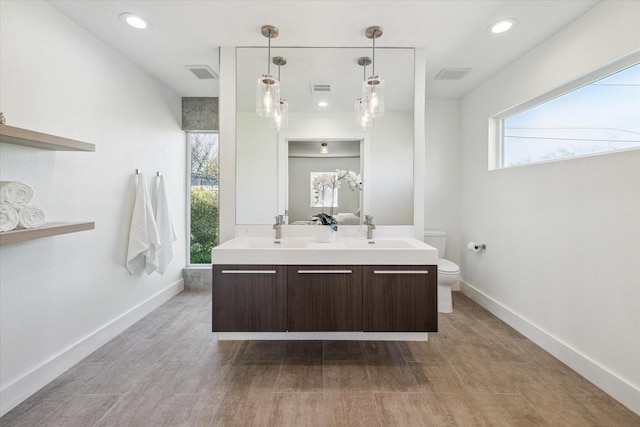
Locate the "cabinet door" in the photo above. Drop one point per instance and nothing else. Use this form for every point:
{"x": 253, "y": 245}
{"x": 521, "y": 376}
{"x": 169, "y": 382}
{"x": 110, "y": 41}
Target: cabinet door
{"x": 400, "y": 298}
{"x": 324, "y": 298}
{"x": 249, "y": 298}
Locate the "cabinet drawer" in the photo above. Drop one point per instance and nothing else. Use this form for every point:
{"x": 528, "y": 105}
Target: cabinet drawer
{"x": 400, "y": 298}
{"x": 324, "y": 298}
{"x": 249, "y": 298}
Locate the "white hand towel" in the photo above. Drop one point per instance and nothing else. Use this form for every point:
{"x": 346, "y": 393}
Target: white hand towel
{"x": 8, "y": 217}
{"x": 165, "y": 226}
{"x": 15, "y": 193}
{"x": 144, "y": 240}
{"x": 31, "y": 216}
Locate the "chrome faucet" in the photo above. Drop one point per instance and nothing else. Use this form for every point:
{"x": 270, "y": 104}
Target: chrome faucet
{"x": 278, "y": 226}
{"x": 368, "y": 220}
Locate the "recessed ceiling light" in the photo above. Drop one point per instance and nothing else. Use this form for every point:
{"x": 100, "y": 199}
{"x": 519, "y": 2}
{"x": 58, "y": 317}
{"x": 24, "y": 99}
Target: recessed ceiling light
{"x": 503, "y": 25}
{"x": 135, "y": 21}
{"x": 323, "y": 103}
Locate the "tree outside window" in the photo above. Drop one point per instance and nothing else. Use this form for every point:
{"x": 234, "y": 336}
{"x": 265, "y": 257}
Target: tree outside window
{"x": 203, "y": 196}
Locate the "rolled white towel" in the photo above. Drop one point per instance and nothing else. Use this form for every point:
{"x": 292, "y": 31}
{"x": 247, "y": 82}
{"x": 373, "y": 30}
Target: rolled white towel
{"x": 15, "y": 193}
{"x": 31, "y": 216}
{"x": 8, "y": 217}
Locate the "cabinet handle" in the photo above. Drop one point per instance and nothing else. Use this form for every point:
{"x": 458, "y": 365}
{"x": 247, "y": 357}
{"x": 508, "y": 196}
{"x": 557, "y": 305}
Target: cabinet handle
{"x": 400, "y": 272}
{"x": 324, "y": 271}
{"x": 248, "y": 272}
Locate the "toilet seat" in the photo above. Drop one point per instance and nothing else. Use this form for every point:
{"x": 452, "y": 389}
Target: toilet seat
{"x": 447, "y": 267}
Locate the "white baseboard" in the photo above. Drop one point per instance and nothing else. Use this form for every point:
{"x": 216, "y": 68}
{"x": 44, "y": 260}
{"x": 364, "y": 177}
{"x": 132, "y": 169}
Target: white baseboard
{"x": 616, "y": 387}
{"x": 15, "y": 393}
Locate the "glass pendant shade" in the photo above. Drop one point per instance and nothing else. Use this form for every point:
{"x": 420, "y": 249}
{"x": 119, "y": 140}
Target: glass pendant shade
{"x": 267, "y": 95}
{"x": 373, "y": 93}
{"x": 280, "y": 119}
{"x": 364, "y": 120}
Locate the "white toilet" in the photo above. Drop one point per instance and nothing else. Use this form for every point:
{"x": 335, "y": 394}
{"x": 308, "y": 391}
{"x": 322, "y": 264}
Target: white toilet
{"x": 448, "y": 272}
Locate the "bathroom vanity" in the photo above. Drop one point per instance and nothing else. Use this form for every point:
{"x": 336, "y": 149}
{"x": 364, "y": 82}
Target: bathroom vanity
{"x": 293, "y": 289}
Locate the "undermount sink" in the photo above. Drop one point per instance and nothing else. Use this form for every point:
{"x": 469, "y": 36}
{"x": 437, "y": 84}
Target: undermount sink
{"x": 294, "y": 251}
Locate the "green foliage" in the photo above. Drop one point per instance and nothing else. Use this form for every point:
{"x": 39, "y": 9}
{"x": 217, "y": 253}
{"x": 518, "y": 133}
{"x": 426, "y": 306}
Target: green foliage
{"x": 204, "y": 224}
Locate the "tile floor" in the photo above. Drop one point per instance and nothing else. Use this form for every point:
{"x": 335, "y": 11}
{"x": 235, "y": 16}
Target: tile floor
{"x": 169, "y": 370}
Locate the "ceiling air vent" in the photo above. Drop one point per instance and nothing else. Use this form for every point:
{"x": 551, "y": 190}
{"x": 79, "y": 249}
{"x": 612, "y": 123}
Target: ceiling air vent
{"x": 202, "y": 72}
{"x": 318, "y": 88}
{"x": 452, "y": 73}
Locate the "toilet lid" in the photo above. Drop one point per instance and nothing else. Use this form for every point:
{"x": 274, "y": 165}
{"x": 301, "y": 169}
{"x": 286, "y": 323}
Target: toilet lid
{"x": 447, "y": 267}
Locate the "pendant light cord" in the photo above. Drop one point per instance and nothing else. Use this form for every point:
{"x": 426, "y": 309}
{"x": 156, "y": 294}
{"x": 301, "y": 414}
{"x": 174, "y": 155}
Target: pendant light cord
{"x": 269, "y": 55}
{"x": 374, "y": 55}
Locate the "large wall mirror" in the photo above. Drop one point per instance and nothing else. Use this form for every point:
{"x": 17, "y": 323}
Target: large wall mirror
{"x": 269, "y": 178}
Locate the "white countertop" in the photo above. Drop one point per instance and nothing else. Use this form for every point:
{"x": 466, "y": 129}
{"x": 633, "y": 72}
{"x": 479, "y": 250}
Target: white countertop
{"x": 308, "y": 251}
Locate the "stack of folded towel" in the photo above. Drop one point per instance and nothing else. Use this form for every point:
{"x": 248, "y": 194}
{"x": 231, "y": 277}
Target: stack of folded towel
{"x": 16, "y": 209}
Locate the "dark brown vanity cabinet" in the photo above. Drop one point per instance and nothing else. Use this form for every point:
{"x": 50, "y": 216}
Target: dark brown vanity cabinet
{"x": 324, "y": 298}
{"x": 249, "y": 298}
{"x": 320, "y": 298}
{"x": 400, "y": 298}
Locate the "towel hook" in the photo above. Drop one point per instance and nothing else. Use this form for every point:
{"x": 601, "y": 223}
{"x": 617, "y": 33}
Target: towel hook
{"x": 159, "y": 174}
{"x": 138, "y": 171}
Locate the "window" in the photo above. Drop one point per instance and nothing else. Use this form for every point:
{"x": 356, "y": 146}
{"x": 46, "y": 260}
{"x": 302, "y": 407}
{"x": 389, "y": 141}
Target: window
{"x": 324, "y": 189}
{"x": 575, "y": 120}
{"x": 203, "y": 197}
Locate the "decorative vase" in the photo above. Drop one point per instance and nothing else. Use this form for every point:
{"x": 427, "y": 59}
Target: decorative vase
{"x": 326, "y": 234}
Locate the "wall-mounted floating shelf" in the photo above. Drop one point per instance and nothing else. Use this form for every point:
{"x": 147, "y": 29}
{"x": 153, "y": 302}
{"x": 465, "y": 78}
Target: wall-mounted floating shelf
{"x": 47, "y": 230}
{"x": 29, "y": 138}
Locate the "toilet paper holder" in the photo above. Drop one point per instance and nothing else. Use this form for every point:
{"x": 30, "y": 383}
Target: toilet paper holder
{"x": 476, "y": 247}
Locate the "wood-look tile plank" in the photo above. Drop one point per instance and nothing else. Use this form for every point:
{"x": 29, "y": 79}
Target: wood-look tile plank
{"x": 422, "y": 352}
{"x": 436, "y": 377}
{"x": 344, "y": 375}
{"x": 342, "y": 350}
{"x": 606, "y": 411}
{"x": 455, "y": 407}
{"x": 31, "y": 412}
{"x": 264, "y": 351}
{"x": 509, "y": 409}
{"x": 188, "y": 410}
{"x": 309, "y": 352}
{"x": 241, "y": 409}
{"x": 392, "y": 378}
{"x": 165, "y": 378}
{"x": 356, "y": 408}
{"x": 382, "y": 353}
{"x": 132, "y": 410}
{"x": 561, "y": 410}
{"x": 297, "y": 410}
{"x": 404, "y": 410}
{"x": 250, "y": 379}
{"x": 299, "y": 377}
{"x": 81, "y": 411}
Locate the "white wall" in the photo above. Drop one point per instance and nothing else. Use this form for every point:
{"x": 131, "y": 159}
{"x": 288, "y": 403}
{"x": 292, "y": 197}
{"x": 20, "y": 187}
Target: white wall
{"x": 442, "y": 171}
{"x": 62, "y": 297}
{"x": 563, "y": 239}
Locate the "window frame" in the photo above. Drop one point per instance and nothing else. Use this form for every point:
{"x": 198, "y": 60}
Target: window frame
{"x": 496, "y": 122}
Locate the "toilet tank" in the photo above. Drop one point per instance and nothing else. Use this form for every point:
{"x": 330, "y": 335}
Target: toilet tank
{"x": 437, "y": 239}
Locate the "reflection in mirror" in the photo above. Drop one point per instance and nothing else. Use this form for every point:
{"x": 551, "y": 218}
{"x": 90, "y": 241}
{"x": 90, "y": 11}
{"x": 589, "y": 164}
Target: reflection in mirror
{"x": 306, "y": 160}
{"x": 386, "y": 161}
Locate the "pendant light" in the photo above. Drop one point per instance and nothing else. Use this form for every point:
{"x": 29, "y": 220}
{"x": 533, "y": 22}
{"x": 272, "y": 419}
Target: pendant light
{"x": 280, "y": 118}
{"x": 364, "y": 119}
{"x": 268, "y": 88}
{"x": 373, "y": 87}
